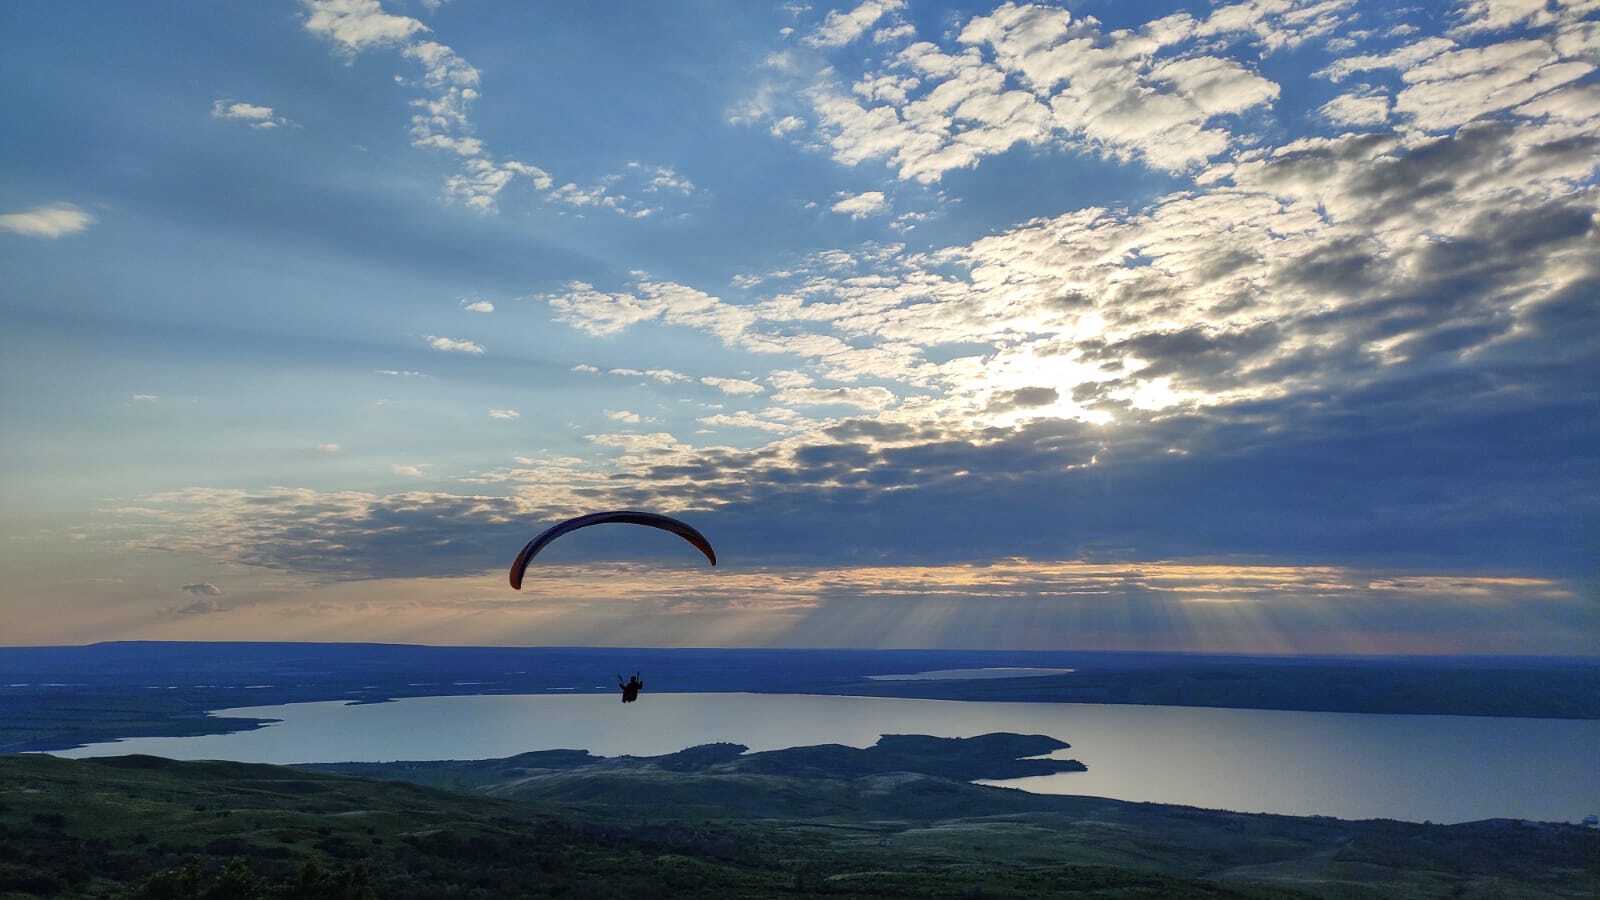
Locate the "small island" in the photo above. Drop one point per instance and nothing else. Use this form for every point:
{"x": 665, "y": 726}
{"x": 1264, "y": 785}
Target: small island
{"x": 724, "y": 777}
{"x": 993, "y": 756}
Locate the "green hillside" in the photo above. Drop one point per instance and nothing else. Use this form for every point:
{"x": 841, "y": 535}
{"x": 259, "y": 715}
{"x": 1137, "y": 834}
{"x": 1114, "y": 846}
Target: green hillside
{"x": 703, "y": 824}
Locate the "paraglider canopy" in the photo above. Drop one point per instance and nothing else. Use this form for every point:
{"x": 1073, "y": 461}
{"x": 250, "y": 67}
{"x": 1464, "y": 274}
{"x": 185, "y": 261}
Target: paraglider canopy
{"x": 622, "y": 516}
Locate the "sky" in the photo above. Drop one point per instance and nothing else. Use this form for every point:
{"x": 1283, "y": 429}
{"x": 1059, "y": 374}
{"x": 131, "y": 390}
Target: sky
{"x": 1265, "y": 326}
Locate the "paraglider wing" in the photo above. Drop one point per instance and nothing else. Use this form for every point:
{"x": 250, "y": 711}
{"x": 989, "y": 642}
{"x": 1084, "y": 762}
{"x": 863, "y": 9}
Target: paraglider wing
{"x": 624, "y": 517}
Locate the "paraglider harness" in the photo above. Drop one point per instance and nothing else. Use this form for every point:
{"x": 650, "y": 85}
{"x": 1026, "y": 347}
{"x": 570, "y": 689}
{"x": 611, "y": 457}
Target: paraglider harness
{"x": 630, "y": 688}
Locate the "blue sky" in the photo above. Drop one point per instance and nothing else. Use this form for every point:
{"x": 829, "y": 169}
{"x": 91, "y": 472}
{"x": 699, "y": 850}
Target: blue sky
{"x": 1283, "y": 310}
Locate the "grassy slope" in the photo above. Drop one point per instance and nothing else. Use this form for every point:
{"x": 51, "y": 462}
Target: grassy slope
{"x": 907, "y": 812}
{"x": 101, "y": 828}
{"x": 98, "y": 828}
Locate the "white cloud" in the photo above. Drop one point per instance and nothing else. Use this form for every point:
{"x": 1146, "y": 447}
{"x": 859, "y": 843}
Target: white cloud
{"x": 358, "y": 24}
{"x": 328, "y": 448}
{"x": 617, "y": 192}
{"x": 734, "y": 386}
{"x": 452, "y": 345}
{"x": 1401, "y": 58}
{"x": 54, "y": 220}
{"x": 1034, "y": 75}
{"x": 504, "y": 414}
{"x": 872, "y": 398}
{"x": 745, "y": 420}
{"x": 401, "y": 373}
{"x": 634, "y": 443}
{"x": 757, "y": 106}
{"x": 663, "y": 178}
{"x": 1454, "y": 88}
{"x": 861, "y": 206}
{"x": 572, "y": 195}
{"x": 415, "y": 471}
{"x": 441, "y": 119}
{"x": 444, "y": 69}
{"x": 1361, "y": 108}
{"x": 901, "y": 32}
{"x": 599, "y": 313}
{"x": 895, "y": 89}
{"x": 481, "y": 181}
{"x": 460, "y": 146}
{"x": 1498, "y": 15}
{"x": 787, "y": 378}
{"x": 144, "y": 398}
{"x": 785, "y": 125}
{"x": 602, "y": 313}
{"x": 1573, "y": 104}
{"x": 664, "y": 376}
{"x": 623, "y": 415}
{"x": 908, "y": 221}
{"x": 254, "y": 115}
{"x": 841, "y": 28}
{"x": 478, "y": 306}
{"x": 1273, "y": 24}
{"x": 586, "y": 368}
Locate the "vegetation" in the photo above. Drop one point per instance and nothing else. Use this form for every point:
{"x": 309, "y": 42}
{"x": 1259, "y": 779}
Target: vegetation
{"x": 802, "y": 822}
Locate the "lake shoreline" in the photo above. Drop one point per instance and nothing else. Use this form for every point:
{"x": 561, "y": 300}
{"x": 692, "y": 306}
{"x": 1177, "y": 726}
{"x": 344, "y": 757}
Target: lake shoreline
{"x": 1346, "y": 765}
{"x": 219, "y": 722}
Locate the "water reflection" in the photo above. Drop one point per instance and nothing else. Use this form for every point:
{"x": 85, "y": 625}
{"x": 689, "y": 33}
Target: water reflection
{"x": 1443, "y": 768}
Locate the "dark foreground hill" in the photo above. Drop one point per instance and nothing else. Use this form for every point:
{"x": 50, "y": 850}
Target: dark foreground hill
{"x": 826, "y": 821}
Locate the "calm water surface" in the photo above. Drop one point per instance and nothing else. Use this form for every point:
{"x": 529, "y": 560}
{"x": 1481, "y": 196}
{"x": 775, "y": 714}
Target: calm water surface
{"x": 1443, "y": 768}
{"x": 974, "y": 674}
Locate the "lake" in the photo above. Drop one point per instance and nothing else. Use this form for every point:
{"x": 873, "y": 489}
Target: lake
{"x": 988, "y": 672}
{"x": 1348, "y": 765}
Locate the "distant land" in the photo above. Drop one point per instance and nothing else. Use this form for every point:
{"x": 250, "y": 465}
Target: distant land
{"x": 54, "y": 698}
{"x": 895, "y": 820}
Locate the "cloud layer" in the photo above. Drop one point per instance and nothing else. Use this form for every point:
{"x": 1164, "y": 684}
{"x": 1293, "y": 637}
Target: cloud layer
{"x": 1308, "y": 352}
{"x": 940, "y": 299}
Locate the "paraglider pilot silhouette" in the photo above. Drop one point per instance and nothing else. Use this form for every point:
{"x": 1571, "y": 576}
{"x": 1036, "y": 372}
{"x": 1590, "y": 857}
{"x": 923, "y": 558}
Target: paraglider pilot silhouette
{"x": 631, "y": 687}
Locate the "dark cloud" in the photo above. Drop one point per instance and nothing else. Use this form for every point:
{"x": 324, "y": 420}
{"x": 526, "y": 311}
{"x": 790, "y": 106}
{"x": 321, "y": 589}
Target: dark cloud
{"x": 1023, "y": 398}
{"x": 1451, "y": 469}
{"x": 204, "y": 605}
{"x": 1341, "y": 267}
{"x": 1226, "y": 264}
{"x": 870, "y": 429}
{"x": 1196, "y": 353}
